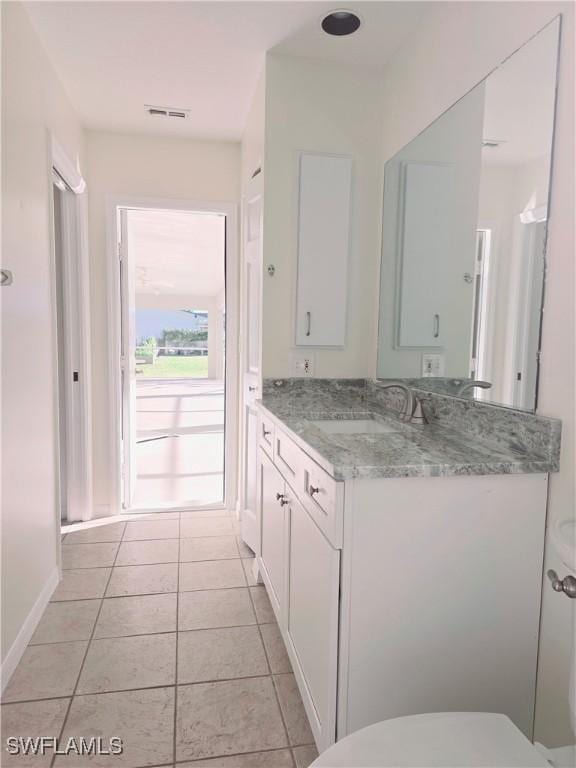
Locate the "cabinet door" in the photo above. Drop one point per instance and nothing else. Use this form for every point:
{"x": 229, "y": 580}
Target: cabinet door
{"x": 313, "y": 619}
{"x": 273, "y": 517}
{"x": 323, "y": 247}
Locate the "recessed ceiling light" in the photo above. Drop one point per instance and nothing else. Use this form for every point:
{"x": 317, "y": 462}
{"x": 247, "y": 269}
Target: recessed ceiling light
{"x": 340, "y": 23}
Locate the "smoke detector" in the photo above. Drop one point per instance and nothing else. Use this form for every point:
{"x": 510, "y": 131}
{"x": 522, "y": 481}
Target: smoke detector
{"x": 157, "y": 111}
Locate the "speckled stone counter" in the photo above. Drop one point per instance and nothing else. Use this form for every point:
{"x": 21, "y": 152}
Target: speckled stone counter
{"x": 462, "y": 437}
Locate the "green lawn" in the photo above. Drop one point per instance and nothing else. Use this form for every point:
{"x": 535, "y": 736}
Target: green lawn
{"x": 174, "y": 368}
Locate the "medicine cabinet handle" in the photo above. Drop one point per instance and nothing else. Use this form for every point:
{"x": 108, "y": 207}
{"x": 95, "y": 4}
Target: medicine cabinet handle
{"x": 308, "y": 323}
{"x": 436, "y": 326}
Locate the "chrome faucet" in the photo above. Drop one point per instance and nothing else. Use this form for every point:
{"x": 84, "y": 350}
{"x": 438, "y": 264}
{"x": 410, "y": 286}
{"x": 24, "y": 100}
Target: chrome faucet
{"x": 410, "y": 401}
{"x": 471, "y": 384}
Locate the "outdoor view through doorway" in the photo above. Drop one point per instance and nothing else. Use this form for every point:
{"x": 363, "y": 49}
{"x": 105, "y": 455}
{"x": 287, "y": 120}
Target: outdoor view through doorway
{"x": 178, "y": 280}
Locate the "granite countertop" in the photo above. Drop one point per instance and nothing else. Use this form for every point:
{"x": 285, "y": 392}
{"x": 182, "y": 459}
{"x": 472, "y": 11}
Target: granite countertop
{"x": 409, "y": 450}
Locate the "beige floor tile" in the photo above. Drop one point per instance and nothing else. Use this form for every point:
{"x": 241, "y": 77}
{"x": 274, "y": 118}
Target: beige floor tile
{"x": 215, "y": 608}
{"x": 88, "y": 555}
{"x": 220, "y": 654}
{"x": 143, "y": 579}
{"x": 144, "y": 720}
{"x": 275, "y": 649}
{"x": 277, "y": 758}
{"x": 208, "y": 548}
{"x": 262, "y": 605}
{"x": 136, "y": 615}
{"x": 194, "y": 514}
{"x": 293, "y": 710}
{"x": 30, "y": 719}
{"x": 148, "y": 552}
{"x": 226, "y": 718}
{"x": 121, "y": 663}
{"x": 247, "y": 564}
{"x": 303, "y": 756}
{"x": 244, "y": 549}
{"x": 217, "y": 526}
{"x": 211, "y": 574}
{"x": 137, "y": 517}
{"x": 97, "y": 533}
{"x": 46, "y": 671}
{"x": 61, "y": 622}
{"x": 82, "y": 584}
{"x": 152, "y": 529}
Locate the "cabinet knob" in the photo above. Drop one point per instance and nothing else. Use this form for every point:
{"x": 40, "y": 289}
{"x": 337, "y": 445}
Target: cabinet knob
{"x": 312, "y": 490}
{"x": 266, "y": 432}
{"x": 566, "y": 585}
{"x": 281, "y": 497}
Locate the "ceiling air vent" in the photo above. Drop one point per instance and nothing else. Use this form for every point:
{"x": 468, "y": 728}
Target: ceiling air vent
{"x": 167, "y": 111}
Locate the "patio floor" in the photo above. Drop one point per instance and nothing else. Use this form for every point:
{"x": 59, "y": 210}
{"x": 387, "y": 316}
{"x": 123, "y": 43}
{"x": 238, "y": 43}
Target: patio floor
{"x": 180, "y": 442}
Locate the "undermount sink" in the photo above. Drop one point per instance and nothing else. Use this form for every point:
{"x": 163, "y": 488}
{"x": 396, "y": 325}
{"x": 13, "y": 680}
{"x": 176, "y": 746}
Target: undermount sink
{"x": 354, "y": 426}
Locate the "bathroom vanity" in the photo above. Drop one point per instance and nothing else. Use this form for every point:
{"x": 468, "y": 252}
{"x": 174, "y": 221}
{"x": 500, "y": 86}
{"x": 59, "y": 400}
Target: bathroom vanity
{"x": 403, "y": 562}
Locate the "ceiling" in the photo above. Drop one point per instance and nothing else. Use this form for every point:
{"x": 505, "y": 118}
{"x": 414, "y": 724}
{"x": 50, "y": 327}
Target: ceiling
{"x": 519, "y": 102}
{"x": 177, "y": 253}
{"x": 115, "y": 57}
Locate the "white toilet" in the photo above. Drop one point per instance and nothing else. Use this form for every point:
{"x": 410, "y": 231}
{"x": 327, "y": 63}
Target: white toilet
{"x": 457, "y": 739}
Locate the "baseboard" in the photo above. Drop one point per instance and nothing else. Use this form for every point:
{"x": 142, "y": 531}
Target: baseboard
{"x": 27, "y": 630}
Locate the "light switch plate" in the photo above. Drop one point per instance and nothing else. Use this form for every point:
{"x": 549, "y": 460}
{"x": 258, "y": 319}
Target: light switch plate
{"x": 432, "y": 365}
{"x": 301, "y": 364}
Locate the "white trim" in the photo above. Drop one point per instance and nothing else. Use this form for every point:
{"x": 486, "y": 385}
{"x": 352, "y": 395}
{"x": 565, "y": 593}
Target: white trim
{"x": 77, "y": 331}
{"x": 27, "y": 629}
{"x": 66, "y": 168}
{"x": 230, "y": 210}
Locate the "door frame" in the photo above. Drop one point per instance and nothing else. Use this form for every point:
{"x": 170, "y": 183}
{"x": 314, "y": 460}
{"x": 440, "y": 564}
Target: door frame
{"x": 77, "y": 344}
{"x": 230, "y": 211}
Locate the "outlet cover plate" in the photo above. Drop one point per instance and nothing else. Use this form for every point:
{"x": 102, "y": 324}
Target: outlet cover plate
{"x": 301, "y": 364}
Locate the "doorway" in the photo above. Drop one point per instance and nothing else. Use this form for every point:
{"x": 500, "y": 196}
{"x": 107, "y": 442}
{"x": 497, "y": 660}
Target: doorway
{"x": 176, "y": 382}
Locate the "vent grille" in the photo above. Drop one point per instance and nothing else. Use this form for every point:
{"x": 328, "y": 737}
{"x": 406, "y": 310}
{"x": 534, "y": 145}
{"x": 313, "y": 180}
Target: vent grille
{"x": 176, "y": 112}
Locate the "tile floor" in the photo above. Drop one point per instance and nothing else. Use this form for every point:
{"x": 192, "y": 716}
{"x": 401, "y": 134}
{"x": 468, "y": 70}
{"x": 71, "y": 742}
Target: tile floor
{"x": 158, "y": 634}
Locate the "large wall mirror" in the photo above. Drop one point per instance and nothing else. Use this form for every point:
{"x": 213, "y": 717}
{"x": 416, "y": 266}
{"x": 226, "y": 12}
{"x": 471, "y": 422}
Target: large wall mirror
{"x": 466, "y": 205}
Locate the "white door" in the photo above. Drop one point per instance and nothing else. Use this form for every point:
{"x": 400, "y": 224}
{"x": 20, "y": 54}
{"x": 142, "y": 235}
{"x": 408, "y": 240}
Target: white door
{"x": 251, "y": 357}
{"x": 127, "y": 362}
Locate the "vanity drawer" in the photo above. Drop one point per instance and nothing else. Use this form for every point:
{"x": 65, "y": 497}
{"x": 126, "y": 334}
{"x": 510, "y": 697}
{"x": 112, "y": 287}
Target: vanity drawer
{"x": 266, "y": 431}
{"x": 323, "y": 498}
{"x": 288, "y": 458}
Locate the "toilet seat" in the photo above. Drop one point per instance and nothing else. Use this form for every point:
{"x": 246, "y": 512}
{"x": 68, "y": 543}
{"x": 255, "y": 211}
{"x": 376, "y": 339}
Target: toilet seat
{"x": 436, "y": 740}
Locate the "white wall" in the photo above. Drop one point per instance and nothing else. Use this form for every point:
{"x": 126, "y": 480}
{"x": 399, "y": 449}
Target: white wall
{"x": 458, "y": 46}
{"x": 33, "y": 103}
{"x": 253, "y": 137}
{"x": 122, "y": 165}
{"x": 321, "y": 107}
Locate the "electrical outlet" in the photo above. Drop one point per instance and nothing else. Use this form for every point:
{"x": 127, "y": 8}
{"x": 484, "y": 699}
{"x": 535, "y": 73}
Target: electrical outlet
{"x": 301, "y": 364}
{"x": 432, "y": 365}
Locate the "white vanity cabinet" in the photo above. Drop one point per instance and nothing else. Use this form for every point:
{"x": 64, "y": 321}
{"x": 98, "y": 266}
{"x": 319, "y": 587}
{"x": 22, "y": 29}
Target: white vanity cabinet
{"x": 403, "y": 595}
{"x": 274, "y": 535}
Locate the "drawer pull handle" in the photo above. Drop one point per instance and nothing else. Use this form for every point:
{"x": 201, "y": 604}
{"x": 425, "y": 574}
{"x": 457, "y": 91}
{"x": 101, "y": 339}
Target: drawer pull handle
{"x": 313, "y": 490}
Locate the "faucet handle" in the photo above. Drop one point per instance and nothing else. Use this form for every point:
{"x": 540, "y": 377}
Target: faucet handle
{"x": 418, "y": 415}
